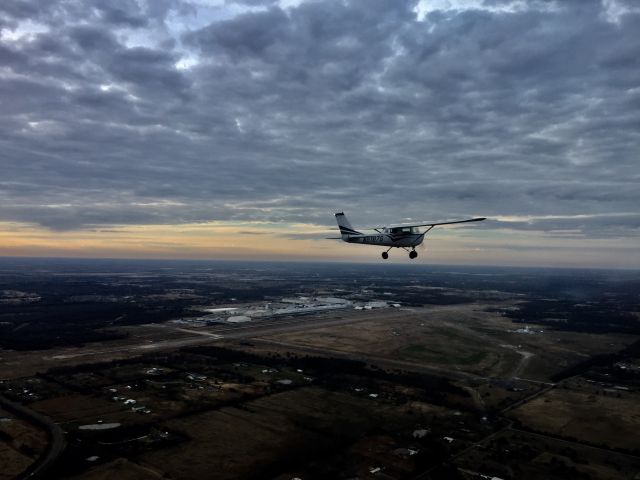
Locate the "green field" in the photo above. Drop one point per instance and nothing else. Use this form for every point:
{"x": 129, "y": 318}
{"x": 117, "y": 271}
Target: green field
{"x": 440, "y": 354}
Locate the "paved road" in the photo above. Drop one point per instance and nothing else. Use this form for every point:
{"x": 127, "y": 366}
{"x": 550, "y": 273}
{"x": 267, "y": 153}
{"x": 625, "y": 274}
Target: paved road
{"x": 57, "y": 442}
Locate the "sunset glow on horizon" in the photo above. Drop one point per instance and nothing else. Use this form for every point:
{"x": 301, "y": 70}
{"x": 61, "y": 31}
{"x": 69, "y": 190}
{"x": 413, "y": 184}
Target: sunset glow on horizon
{"x": 301, "y": 242}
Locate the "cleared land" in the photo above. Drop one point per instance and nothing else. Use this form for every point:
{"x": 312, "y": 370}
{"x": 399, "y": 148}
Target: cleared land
{"x": 120, "y": 469}
{"x": 20, "y": 444}
{"x": 611, "y": 419}
{"x": 525, "y": 456}
{"x": 301, "y": 427}
{"x": 465, "y": 338}
{"x": 81, "y": 409}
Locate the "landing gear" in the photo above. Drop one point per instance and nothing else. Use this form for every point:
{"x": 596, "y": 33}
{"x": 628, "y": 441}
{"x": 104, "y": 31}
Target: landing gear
{"x": 385, "y": 255}
{"x": 413, "y": 254}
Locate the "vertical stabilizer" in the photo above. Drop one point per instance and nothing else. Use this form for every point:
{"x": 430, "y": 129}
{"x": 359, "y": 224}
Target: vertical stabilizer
{"x": 344, "y": 225}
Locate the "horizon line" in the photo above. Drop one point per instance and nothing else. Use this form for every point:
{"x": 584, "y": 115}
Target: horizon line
{"x": 376, "y": 263}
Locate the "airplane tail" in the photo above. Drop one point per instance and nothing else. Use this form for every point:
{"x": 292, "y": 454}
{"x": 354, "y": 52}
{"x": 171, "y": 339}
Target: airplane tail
{"x": 344, "y": 225}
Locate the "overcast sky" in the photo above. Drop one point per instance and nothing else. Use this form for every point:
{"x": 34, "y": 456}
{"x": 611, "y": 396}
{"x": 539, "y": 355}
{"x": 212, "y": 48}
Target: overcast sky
{"x": 268, "y": 116}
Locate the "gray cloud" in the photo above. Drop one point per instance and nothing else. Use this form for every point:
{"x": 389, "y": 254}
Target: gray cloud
{"x": 126, "y": 14}
{"x": 588, "y": 226}
{"x": 128, "y": 113}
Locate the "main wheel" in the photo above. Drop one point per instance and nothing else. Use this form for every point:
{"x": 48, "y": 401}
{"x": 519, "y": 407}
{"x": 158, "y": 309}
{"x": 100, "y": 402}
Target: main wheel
{"x": 385, "y": 255}
{"x": 413, "y": 254}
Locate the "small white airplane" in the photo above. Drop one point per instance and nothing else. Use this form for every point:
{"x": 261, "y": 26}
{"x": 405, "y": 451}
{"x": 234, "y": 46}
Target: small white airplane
{"x": 401, "y": 236}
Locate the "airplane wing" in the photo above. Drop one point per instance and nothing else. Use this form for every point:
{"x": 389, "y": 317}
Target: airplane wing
{"x": 479, "y": 219}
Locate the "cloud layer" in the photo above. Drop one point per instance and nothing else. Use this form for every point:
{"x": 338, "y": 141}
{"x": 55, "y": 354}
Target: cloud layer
{"x": 168, "y": 112}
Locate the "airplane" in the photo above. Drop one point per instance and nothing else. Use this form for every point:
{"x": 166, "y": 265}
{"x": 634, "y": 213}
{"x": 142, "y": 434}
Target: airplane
{"x": 401, "y": 236}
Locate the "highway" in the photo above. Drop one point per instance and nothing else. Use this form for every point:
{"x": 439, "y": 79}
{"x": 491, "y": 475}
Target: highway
{"x": 57, "y": 441}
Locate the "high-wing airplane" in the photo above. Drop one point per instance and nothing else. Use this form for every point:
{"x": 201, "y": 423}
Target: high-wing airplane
{"x": 401, "y": 236}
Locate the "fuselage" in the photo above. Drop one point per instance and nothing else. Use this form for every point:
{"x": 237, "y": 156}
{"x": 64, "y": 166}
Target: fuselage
{"x": 387, "y": 237}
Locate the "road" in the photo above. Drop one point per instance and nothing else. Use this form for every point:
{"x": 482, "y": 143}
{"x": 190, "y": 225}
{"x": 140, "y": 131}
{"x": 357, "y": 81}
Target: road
{"x": 57, "y": 442}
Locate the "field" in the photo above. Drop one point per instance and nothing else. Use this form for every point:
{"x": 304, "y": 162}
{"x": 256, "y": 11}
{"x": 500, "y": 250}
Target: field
{"x": 234, "y": 413}
{"x": 466, "y": 338}
{"x": 20, "y": 444}
{"x": 79, "y": 409}
{"x": 608, "y": 419}
{"x": 121, "y": 469}
{"x": 526, "y": 456}
{"x": 302, "y": 429}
